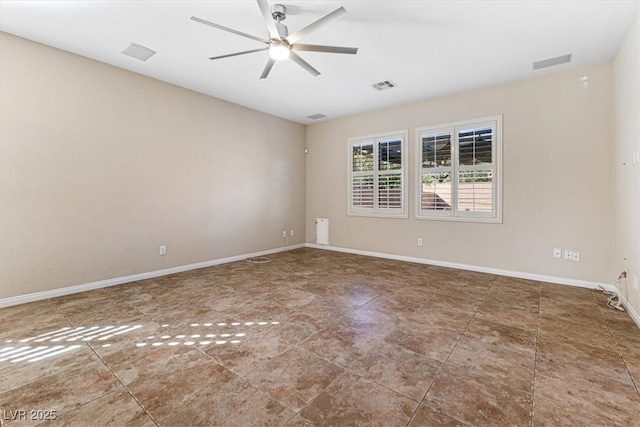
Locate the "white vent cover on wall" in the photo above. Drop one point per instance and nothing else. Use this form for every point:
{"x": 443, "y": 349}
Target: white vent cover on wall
{"x": 322, "y": 231}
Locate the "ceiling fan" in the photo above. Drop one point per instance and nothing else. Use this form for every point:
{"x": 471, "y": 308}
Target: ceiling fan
{"x": 281, "y": 45}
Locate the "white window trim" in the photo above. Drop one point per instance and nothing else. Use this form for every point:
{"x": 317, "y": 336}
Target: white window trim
{"x": 375, "y": 211}
{"x": 497, "y": 152}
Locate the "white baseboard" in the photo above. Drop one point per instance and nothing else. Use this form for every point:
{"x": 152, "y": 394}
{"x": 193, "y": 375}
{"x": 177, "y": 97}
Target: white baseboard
{"x": 500, "y": 272}
{"x": 634, "y": 314}
{"x": 509, "y": 273}
{"x": 37, "y": 296}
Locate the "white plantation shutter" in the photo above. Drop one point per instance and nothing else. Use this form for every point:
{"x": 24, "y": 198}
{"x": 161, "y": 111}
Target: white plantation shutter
{"x": 362, "y": 191}
{"x": 475, "y": 192}
{"x": 362, "y": 176}
{"x": 458, "y": 165}
{"x": 377, "y": 175}
{"x": 390, "y": 174}
{"x": 390, "y": 191}
{"x": 436, "y": 194}
{"x": 475, "y": 171}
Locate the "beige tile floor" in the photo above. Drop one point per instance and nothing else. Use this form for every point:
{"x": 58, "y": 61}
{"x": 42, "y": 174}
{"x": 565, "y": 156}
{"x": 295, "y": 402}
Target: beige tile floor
{"x": 322, "y": 338}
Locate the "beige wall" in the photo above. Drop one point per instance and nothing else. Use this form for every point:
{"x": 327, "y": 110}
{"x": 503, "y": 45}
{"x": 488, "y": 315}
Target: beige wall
{"x": 100, "y": 166}
{"x": 557, "y": 184}
{"x": 626, "y": 72}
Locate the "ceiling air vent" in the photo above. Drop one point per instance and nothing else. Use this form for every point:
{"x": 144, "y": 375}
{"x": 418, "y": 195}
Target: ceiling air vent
{"x": 138, "y": 52}
{"x": 551, "y": 62}
{"x": 316, "y": 116}
{"x": 387, "y": 84}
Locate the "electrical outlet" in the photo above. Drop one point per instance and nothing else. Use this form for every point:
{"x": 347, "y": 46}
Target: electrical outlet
{"x": 568, "y": 254}
{"x": 575, "y": 256}
{"x": 284, "y": 233}
{"x": 557, "y": 253}
{"x": 419, "y": 241}
{"x": 636, "y": 157}
{"x": 634, "y": 282}
{"x": 163, "y": 250}
{"x": 292, "y": 232}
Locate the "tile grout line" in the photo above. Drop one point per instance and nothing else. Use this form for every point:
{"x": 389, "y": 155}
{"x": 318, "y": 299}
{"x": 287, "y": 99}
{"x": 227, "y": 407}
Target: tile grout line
{"x": 246, "y": 380}
{"x": 344, "y": 370}
{"x": 72, "y": 326}
{"x": 488, "y": 296}
{"x": 63, "y": 315}
{"x": 266, "y": 392}
{"x": 449, "y": 355}
{"x": 298, "y": 346}
{"x": 144, "y": 410}
{"x": 108, "y": 368}
{"x": 615, "y": 343}
{"x": 347, "y": 371}
{"x": 535, "y": 359}
{"x": 123, "y": 385}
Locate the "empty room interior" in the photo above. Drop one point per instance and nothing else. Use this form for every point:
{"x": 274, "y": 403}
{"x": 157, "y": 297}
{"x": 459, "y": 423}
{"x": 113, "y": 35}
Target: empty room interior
{"x": 319, "y": 213}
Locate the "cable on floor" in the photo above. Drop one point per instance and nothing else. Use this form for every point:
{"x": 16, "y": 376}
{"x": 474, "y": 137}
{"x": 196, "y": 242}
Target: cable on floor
{"x": 614, "y": 300}
{"x": 259, "y": 260}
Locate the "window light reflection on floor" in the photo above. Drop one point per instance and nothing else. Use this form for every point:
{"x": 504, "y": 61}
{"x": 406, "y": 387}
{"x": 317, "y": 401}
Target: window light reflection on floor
{"x": 21, "y": 350}
{"x": 224, "y": 338}
{"x": 67, "y": 339}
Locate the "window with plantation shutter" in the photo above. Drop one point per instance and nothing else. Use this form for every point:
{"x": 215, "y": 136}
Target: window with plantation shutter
{"x": 459, "y": 170}
{"x": 377, "y": 167}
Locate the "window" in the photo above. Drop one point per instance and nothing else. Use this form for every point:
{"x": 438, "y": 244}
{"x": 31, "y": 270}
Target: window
{"x": 377, "y": 175}
{"x": 459, "y": 169}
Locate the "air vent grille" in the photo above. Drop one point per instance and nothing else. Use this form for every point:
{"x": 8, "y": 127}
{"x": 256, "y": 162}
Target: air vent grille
{"x": 384, "y": 85}
{"x": 138, "y": 52}
{"x": 551, "y": 62}
{"x": 316, "y": 116}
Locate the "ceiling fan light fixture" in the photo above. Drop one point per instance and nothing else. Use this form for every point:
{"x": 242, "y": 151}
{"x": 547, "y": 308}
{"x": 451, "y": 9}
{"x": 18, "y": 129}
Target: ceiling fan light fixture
{"x": 279, "y": 50}
{"x": 280, "y": 44}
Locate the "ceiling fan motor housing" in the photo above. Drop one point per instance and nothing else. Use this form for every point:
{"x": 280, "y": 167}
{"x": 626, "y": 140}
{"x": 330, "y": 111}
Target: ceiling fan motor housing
{"x": 278, "y": 12}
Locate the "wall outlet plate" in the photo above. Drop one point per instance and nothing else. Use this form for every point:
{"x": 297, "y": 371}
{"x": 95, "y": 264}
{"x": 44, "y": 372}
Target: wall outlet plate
{"x": 568, "y": 254}
{"x": 575, "y": 256}
{"x": 557, "y": 253}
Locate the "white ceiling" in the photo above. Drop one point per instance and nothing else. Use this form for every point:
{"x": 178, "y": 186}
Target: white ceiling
{"x": 428, "y": 48}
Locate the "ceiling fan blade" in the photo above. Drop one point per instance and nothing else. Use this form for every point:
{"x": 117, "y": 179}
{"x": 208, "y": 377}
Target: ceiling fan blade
{"x": 239, "y": 53}
{"x": 304, "y": 64}
{"x": 315, "y": 25}
{"x": 271, "y": 24}
{"x": 267, "y": 68}
{"x": 231, "y": 30}
{"x": 327, "y": 49}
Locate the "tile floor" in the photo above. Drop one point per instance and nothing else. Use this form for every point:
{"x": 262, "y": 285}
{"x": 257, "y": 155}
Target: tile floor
{"x": 321, "y": 338}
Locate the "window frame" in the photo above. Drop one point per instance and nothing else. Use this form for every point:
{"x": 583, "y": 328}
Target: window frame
{"x": 376, "y": 210}
{"x": 454, "y": 128}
